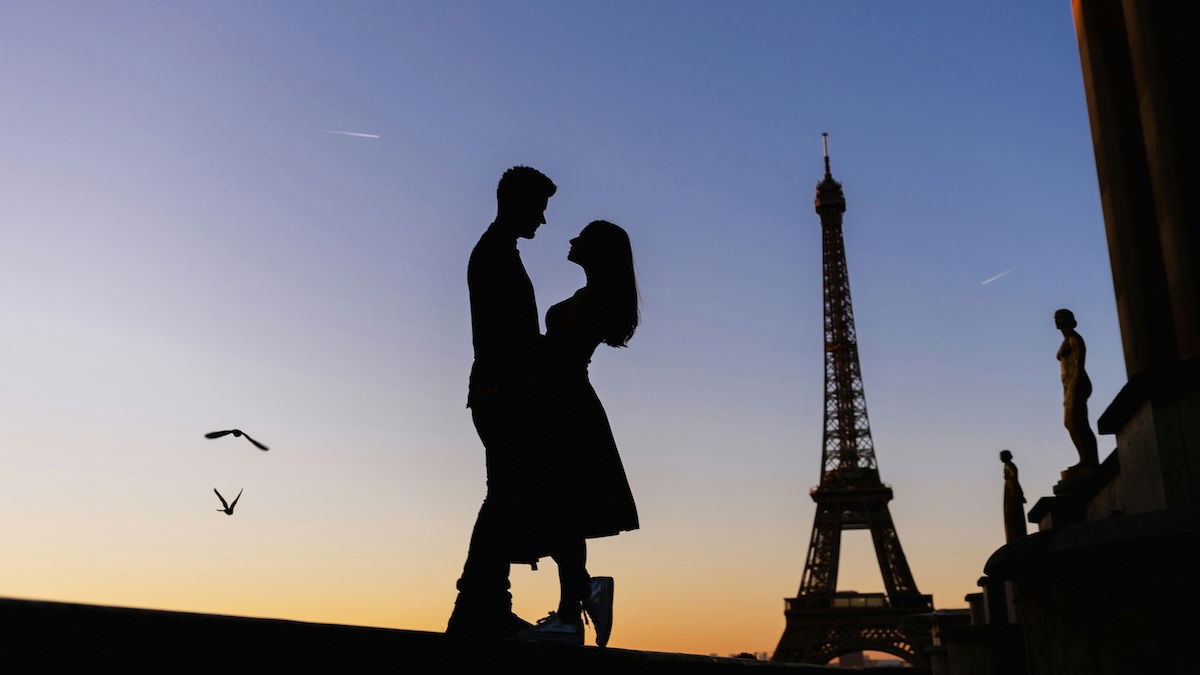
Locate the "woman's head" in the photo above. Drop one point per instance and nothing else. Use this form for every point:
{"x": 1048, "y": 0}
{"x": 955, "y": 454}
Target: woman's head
{"x": 602, "y": 249}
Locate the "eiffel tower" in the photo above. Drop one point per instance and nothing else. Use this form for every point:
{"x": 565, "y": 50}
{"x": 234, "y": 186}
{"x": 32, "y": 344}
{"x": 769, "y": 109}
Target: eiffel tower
{"x": 823, "y": 623}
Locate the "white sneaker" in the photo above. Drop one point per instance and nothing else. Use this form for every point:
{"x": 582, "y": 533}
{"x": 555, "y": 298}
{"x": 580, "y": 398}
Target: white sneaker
{"x": 552, "y": 628}
{"x": 599, "y": 606}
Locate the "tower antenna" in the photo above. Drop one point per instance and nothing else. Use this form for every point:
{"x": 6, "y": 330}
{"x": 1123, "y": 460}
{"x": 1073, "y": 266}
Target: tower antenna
{"x": 825, "y": 142}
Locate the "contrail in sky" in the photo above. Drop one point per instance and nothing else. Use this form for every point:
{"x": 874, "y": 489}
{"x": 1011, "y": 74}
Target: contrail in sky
{"x": 1005, "y": 273}
{"x": 356, "y": 134}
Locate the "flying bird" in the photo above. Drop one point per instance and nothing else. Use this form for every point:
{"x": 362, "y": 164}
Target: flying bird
{"x": 236, "y": 432}
{"x": 228, "y": 507}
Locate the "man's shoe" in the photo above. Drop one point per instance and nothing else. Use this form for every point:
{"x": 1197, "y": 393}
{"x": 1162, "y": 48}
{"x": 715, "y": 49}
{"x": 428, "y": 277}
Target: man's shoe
{"x": 554, "y": 629}
{"x": 599, "y": 606}
{"x": 514, "y": 624}
{"x": 485, "y": 625}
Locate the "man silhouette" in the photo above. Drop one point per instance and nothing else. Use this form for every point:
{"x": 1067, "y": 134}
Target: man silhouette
{"x": 506, "y": 335}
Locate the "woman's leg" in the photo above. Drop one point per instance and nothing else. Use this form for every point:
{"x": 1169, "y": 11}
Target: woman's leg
{"x": 573, "y": 580}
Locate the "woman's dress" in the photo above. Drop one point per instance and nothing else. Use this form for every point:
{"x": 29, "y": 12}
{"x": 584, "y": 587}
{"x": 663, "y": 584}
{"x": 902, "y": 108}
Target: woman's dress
{"x": 588, "y": 494}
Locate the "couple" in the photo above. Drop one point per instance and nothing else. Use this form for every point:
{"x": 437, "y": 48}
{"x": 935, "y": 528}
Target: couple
{"x": 554, "y": 478}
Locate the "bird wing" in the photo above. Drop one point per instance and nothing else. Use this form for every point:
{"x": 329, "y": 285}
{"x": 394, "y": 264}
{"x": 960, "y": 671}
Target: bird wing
{"x": 223, "y": 499}
{"x": 218, "y": 434}
{"x": 258, "y": 445}
{"x": 236, "y": 498}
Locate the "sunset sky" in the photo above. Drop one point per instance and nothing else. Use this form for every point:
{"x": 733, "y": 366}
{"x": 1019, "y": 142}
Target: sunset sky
{"x": 190, "y": 245}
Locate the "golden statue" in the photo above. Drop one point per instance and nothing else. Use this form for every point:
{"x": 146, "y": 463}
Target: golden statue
{"x": 1077, "y": 387}
{"x": 1014, "y": 497}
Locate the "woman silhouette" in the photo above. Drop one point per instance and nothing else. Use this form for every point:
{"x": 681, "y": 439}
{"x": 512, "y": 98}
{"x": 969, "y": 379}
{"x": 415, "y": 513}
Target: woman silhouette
{"x": 586, "y": 493}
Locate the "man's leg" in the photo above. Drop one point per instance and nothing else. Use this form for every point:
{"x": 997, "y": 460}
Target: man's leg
{"x": 484, "y": 605}
{"x": 485, "y": 573}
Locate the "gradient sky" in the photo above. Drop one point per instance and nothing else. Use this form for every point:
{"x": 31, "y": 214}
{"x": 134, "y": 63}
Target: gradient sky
{"x": 187, "y": 248}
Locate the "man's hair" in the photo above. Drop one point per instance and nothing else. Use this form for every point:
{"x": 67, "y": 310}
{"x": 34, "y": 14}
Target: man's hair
{"x": 522, "y": 183}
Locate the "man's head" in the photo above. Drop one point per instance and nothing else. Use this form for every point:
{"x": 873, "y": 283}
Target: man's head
{"x": 1005, "y": 456}
{"x": 521, "y": 199}
{"x": 1064, "y": 318}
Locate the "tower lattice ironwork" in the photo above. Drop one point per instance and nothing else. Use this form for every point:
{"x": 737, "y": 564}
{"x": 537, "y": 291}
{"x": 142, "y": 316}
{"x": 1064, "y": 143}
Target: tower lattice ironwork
{"x": 823, "y": 623}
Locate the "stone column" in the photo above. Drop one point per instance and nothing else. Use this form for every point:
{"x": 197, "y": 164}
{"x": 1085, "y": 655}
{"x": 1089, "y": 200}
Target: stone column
{"x": 1165, "y": 57}
{"x": 1140, "y": 66}
{"x": 1130, "y": 219}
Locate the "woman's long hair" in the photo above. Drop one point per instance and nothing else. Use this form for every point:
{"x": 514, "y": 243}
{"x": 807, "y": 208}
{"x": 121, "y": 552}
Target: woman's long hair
{"x": 613, "y": 281}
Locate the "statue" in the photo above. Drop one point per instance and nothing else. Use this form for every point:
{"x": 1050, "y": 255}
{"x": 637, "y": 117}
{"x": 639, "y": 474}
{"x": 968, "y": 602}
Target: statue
{"x": 1076, "y": 390}
{"x": 1014, "y": 497}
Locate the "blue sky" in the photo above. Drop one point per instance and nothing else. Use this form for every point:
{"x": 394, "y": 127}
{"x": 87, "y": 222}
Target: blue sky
{"x": 189, "y": 249}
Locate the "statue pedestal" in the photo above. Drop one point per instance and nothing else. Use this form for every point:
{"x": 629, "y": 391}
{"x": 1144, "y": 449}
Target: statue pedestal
{"x": 1080, "y": 498}
{"x": 1077, "y": 472}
